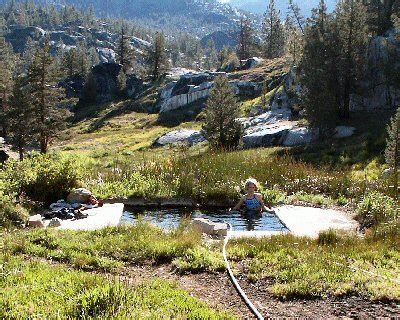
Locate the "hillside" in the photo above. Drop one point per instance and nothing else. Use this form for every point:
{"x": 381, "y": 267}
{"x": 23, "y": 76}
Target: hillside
{"x": 196, "y": 17}
{"x": 260, "y": 6}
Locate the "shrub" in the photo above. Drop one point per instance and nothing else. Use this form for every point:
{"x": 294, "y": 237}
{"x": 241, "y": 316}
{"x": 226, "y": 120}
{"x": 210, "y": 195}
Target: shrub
{"x": 221, "y": 128}
{"x": 327, "y": 237}
{"x": 43, "y": 178}
{"x": 273, "y": 196}
{"x": 376, "y": 208}
{"x": 11, "y": 213}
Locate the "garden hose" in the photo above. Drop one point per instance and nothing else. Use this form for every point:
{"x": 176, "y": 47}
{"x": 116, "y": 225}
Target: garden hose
{"x": 250, "y": 305}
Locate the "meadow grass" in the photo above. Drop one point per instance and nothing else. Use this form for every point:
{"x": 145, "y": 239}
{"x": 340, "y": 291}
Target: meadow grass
{"x": 209, "y": 175}
{"x": 328, "y": 266}
{"x": 110, "y": 248}
{"x": 38, "y": 290}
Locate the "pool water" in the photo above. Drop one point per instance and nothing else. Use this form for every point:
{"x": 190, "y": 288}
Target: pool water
{"x": 171, "y": 218}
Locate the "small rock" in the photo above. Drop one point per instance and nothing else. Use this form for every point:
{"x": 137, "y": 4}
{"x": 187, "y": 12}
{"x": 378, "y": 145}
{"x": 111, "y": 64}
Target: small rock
{"x": 3, "y": 156}
{"x": 300, "y": 136}
{"x": 55, "y": 222}
{"x": 266, "y": 135}
{"x": 387, "y": 173}
{"x": 343, "y": 132}
{"x": 35, "y": 221}
{"x": 252, "y": 62}
{"x": 189, "y": 137}
{"x": 80, "y": 195}
{"x": 211, "y": 228}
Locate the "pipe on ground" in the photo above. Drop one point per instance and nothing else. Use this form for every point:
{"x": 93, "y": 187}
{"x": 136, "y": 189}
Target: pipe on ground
{"x": 249, "y": 304}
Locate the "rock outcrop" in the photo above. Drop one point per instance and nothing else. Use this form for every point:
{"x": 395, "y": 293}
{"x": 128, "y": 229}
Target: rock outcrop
{"x": 106, "y": 55}
{"x": 266, "y": 135}
{"x": 105, "y": 76}
{"x": 343, "y": 132}
{"x": 183, "y": 136}
{"x": 65, "y": 38}
{"x": 377, "y": 90}
{"x": 192, "y": 87}
{"x": 18, "y": 37}
{"x": 189, "y": 88}
{"x": 267, "y": 129}
{"x": 300, "y": 136}
{"x": 251, "y": 63}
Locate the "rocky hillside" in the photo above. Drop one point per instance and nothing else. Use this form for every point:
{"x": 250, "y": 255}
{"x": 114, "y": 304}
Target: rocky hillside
{"x": 197, "y": 17}
{"x": 259, "y": 6}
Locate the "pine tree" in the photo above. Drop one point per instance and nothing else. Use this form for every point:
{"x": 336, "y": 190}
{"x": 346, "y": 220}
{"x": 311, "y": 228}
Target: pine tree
{"x": 220, "y": 126}
{"x": 90, "y": 89}
{"x": 296, "y": 15}
{"x": 293, "y": 40}
{"x": 125, "y": 55}
{"x": 157, "y": 57}
{"x": 84, "y": 58}
{"x": 7, "y": 66}
{"x": 19, "y": 116}
{"x": 246, "y": 39}
{"x": 70, "y": 62}
{"x": 75, "y": 62}
{"x": 381, "y": 14}
{"x": 319, "y": 79}
{"x": 352, "y": 31}
{"x": 392, "y": 152}
{"x": 273, "y": 32}
{"x": 212, "y": 56}
{"x": 46, "y": 96}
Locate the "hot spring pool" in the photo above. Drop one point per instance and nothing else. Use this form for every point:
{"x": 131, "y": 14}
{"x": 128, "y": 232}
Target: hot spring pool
{"x": 170, "y": 218}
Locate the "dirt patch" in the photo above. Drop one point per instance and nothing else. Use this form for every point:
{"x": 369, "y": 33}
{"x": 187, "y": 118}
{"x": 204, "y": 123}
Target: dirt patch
{"x": 218, "y": 292}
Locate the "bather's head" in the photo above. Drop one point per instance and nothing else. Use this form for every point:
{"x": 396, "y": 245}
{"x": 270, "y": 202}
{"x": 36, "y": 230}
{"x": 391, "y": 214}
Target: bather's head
{"x": 250, "y": 184}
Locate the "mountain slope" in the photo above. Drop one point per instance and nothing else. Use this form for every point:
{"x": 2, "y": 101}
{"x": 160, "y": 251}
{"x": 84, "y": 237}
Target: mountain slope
{"x": 260, "y": 6}
{"x": 198, "y": 17}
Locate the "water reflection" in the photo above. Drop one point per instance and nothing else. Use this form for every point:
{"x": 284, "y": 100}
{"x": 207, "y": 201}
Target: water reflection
{"x": 171, "y": 218}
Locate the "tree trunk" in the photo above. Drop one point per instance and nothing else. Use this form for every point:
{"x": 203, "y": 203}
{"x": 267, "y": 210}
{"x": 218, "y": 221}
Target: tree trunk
{"x": 21, "y": 152}
{"x": 43, "y": 143}
{"x": 346, "y": 98}
{"x": 396, "y": 162}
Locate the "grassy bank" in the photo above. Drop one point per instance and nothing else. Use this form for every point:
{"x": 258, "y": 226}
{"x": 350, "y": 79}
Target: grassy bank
{"x": 332, "y": 265}
{"x": 111, "y": 248}
{"x": 296, "y": 267}
{"x": 32, "y": 289}
{"x": 204, "y": 175}
{"x": 196, "y": 174}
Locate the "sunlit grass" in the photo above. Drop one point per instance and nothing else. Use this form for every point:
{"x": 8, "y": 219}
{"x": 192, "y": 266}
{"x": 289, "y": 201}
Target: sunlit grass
{"x": 329, "y": 266}
{"x": 110, "y": 248}
{"x": 34, "y": 290}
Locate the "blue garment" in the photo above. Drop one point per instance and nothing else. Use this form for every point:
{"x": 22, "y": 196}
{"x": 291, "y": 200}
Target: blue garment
{"x": 252, "y": 204}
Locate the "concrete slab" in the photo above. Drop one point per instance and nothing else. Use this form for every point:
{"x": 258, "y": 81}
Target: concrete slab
{"x": 306, "y": 221}
{"x": 108, "y": 215}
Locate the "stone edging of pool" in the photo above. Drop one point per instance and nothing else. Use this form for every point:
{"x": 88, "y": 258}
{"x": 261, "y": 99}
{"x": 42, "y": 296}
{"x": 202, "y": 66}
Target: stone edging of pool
{"x": 172, "y": 203}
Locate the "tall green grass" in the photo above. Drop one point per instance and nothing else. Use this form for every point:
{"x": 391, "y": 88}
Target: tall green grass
{"x": 203, "y": 177}
{"x": 332, "y": 265}
{"x": 110, "y": 248}
{"x": 37, "y": 290}
{"x": 221, "y": 176}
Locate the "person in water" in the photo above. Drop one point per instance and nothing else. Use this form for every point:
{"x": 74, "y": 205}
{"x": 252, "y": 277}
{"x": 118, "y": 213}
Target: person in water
{"x": 252, "y": 200}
